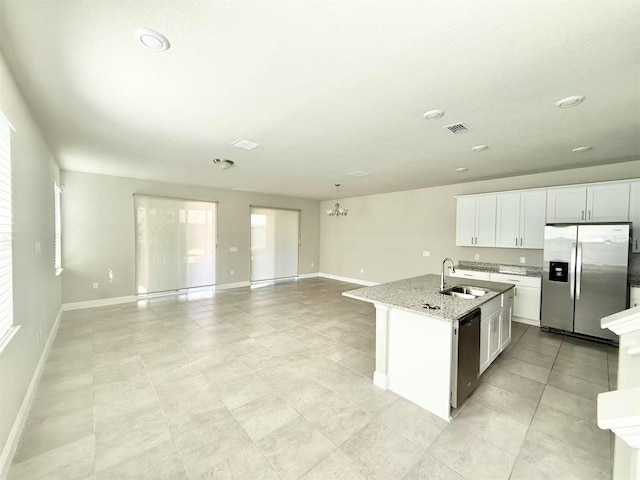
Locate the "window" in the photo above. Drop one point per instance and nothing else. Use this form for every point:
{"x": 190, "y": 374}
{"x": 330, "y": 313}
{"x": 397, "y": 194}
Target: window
{"x": 57, "y": 230}
{"x": 6, "y": 280}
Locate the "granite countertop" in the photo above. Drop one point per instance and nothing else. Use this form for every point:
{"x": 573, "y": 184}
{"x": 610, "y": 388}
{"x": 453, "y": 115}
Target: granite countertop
{"x": 524, "y": 270}
{"x": 411, "y": 294}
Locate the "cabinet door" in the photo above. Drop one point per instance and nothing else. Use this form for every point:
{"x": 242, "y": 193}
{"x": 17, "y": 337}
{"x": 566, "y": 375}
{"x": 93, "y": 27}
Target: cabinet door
{"x": 566, "y": 205}
{"x": 634, "y": 215}
{"x": 472, "y": 274}
{"x": 508, "y": 220}
{"x": 466, "y": 221}
{"x": 494, "y": 335}
{"x": 634, "y": 297}
{"x": 608, "y": 203}
{"x": 527, "y": 303}
{"x": 533, "y": 207}
{"x": 486, "y": 221}
{"x": 505, "y": 320}
{"x": 485, "y": 337}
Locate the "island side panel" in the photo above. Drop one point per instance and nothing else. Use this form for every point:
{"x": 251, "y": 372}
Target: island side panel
{"x": 419, "y": 354}
{"x": 380, "y": 376}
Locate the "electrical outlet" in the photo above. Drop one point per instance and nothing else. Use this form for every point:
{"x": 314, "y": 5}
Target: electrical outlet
{"x": 232, "y": 272}
{"x": 477, "y": 256}
{"x": 522, "y": 260}
{"x": 362, "y": 270}
{"x": 95, "y": 285}
{"x": 110, "y": 274}
{"x": 426, "y": 253}
{"x": 312, "y": 264}
{"x": 233, "y": 249}
{"x": 38, "y": 247}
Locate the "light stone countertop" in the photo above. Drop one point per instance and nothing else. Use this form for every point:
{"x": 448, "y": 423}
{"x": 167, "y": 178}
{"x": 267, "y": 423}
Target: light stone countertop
{"x": 410, "y": 294}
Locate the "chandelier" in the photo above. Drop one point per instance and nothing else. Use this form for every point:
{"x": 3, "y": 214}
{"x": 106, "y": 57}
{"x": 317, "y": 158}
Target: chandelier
{"x": 337, "y": 210}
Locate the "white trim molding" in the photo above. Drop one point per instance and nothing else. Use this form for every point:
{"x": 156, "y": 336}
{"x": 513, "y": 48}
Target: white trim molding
{"x": 309, "y": 275}
{"x": 18, "y": 424}
{"x": 102, "y": 302}
{"x": 380, "y": 380}
{"x": 227, "y": 286}
{"x": 357, "y": 281}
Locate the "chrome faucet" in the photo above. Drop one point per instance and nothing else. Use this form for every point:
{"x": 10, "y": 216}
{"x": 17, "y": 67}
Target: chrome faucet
{"x": 453, "y": 270}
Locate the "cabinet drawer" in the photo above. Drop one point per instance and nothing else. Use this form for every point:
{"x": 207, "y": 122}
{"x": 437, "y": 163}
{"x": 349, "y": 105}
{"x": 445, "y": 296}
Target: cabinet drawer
{"x": 519, "y": 280}
{"x": 471, "y": 274}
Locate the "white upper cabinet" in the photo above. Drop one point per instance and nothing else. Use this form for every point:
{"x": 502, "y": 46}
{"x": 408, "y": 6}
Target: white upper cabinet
{"x": 607, "y": 202}
{"x": 520, "y": 219}
{"x": 476, "y": 221}
{"x": 634, "y": 215}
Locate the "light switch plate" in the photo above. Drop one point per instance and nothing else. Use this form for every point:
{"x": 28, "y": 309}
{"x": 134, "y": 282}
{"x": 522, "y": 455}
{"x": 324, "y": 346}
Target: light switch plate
{"x": 477, "y": 257}
{"x": 522, "y": 259}
{"x": 233, "y": 249}
{"x": 426, "y": 253}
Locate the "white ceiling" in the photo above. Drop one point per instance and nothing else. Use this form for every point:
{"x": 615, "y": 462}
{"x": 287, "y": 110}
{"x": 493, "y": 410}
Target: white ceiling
{"x": 328, "y": 88}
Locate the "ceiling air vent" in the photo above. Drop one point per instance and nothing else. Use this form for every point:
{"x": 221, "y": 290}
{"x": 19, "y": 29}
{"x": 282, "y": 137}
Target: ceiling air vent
{"x": 457, "y": 128}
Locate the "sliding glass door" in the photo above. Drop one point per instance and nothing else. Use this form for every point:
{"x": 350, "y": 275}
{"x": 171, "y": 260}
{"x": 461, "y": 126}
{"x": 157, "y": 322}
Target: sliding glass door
{"x": 175, "y": 243}
{"x": 274, "y": 243}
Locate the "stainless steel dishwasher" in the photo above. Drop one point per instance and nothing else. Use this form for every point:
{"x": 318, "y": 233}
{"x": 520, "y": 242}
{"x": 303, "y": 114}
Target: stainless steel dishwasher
{"x": 466, "y": 357}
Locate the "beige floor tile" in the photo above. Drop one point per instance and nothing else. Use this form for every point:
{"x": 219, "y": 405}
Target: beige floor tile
{"x": 53, "y": 432}
{"x": 243, "y": 390}
{"x": 585, "y": 372}
{"x": 367, "y": 396}
{"x": 509, "y": 404}
{"x": 337, "y": 466}
{"x": 430, "y": 468}
{"x": 358, "y": 361}
{"x": 524, "y": 369}
{"x": 245, "y": 464}
{"x": 569, "y": 403}
{"x": 69, "y": 462}
{"x": 517, "y": 384}
{"x": 160, "y": 462}
{"x": 264, "y": 415}
{"x": 381, "y": 452}
{"x": 413, "y": 422}
{"x": 583, "y": 358}
{"x": 579, "y": 433}
{"x": 470, "y": 456}
{"x": 525, "y": 471}
{"x": 294, "y": 448}
{"x": 562, "y": 460}
{"x": 535, "y": 358}
{"x": 575, "y": 385}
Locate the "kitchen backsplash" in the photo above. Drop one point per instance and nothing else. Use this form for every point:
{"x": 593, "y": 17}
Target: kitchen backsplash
{"x": 500, "y": 268}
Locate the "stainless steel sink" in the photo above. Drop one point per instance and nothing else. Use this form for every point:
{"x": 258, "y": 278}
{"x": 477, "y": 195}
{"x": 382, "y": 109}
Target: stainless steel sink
{"x": 465, "y": 291}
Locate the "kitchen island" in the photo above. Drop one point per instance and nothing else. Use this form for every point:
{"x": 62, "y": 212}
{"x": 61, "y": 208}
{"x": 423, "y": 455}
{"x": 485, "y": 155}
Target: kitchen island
{"x": 416, "y": 347}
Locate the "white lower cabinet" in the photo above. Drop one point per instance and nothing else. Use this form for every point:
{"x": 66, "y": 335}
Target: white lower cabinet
{"x": 527, "y": 295}
{"x": 495, "y": 329}
{"x": 471, "y": 274}
{"x": 634, "y": 297}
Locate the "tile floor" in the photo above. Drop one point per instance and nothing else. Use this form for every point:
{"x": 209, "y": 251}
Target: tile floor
{"x": 275, "y": 382}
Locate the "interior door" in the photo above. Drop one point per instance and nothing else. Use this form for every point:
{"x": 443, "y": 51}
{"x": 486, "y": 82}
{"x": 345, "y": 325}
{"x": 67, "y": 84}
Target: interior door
{"x": 274, "y": 243}
{"x": 601, "y": 281}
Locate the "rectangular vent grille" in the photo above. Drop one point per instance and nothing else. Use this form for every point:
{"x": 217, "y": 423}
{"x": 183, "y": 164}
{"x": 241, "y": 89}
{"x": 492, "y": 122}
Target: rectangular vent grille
{"x": 359, "y": 173}
{"x": 457, "y": 128}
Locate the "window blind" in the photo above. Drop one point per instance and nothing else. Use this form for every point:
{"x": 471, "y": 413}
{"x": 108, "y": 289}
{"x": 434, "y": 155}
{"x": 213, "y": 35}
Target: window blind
{"x": 57, "y": 229}
{"x": 274, "y": 243}
{"x": 175, "y": 243}
{"x": 6, "y": 275}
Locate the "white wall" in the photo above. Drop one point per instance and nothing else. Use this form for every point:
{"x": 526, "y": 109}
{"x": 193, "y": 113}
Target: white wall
{"x": 98, "y": 231}
{"x": 36, "y": 289}
{"x": 385, "y": 234}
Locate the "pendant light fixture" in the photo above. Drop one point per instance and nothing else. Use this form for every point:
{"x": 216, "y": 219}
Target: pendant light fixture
{"x": 337, "y": 210}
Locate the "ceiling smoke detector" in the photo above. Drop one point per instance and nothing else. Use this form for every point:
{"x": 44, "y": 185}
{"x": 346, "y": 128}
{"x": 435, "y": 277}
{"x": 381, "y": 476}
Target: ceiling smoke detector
{"x": 457, "y": 128}
{"x": 223, "y": 164}
{"x": 152, "y": 39}
{"x": 570, "y": 101}
{"x": 433, "y": 114}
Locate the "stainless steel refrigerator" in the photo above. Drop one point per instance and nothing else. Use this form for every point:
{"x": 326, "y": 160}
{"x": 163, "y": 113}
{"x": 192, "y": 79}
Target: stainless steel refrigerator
{"x": 584, "y": 277}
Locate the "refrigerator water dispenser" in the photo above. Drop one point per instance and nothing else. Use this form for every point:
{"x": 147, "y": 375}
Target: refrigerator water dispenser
{"x": 558, "y": 271}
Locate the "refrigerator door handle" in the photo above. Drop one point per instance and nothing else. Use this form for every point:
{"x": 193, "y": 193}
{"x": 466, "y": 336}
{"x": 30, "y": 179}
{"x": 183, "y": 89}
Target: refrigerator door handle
{"x": 578, "y": 270}
{"x": 572, "y": 271}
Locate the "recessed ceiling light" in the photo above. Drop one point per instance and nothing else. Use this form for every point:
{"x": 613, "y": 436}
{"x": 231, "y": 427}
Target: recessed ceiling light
{"x": 581, "y": 149}
{"x": 461, "y": 169}
{"x": 433, "y": 114}
{"x": 152, "y": 39}
{"x": 570, "y": 101}
{"x": 479, "y": 148}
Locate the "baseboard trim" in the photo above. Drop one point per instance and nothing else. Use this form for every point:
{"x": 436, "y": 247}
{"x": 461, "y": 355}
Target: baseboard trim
{"x": 227, "y": 286}
{"x": 14, "y": 435}
{"x": 380, "y": 380}
{"x": 526, "y": 321}
{"x": 102, "y": 302}
{"x": 347, "y": 279}
{"x": 309, "y": 275}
